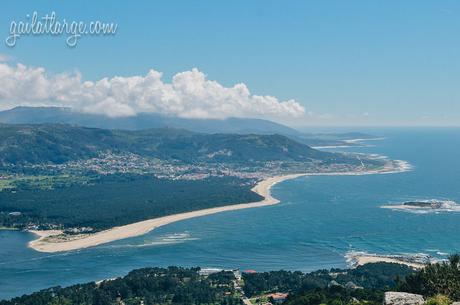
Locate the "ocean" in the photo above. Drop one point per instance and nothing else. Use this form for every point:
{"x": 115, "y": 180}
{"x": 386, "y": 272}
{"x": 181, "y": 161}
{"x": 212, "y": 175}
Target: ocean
{"x": 319, "y": 221}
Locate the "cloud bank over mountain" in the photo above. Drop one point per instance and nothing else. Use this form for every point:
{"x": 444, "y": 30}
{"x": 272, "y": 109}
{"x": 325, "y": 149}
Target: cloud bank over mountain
{"x": 189, "y": 95}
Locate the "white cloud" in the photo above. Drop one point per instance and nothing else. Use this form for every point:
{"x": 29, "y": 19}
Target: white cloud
{"x": 189, "y": 94}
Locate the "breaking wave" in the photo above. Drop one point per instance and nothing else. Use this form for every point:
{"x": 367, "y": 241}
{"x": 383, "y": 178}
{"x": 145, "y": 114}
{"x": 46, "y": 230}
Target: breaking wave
{"x": 425, "y": 206}
{"x": 175, "y": 238}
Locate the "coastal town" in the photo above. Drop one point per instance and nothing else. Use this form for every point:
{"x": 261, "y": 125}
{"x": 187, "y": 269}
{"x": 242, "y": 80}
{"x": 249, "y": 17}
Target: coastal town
{"x": 110, "y": 163}
{"x": 269, "y": 298}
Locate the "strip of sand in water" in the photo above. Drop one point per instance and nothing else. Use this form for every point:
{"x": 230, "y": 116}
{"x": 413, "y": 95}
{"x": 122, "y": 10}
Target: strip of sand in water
{"x": 359, "y": 259}
{"x": 55, "y": 241}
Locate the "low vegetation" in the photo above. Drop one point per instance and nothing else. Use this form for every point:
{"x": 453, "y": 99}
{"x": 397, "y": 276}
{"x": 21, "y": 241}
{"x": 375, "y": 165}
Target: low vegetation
{"x": 438, "y": 299}
{"x": 436, "y": 279}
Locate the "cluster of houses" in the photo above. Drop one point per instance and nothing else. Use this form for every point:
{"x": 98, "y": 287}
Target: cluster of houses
{"x": 267, "y": 299}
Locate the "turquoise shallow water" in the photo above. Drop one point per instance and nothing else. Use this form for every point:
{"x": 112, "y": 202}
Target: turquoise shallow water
{"x": 319, "y": 220}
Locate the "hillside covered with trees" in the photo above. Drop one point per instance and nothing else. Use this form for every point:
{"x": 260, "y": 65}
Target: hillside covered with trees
{"x": 439, "y": 283}
{"x": 59, "y": 143}
{"x": 69, "y": 177}
{"x": 176, "y": 285}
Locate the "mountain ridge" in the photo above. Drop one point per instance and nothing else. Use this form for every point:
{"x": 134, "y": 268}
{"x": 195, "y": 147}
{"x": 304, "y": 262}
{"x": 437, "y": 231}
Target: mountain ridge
{"x": 141, "y": 121}
{"x": 59, "y": 143}
{"x": 41, "y": 115}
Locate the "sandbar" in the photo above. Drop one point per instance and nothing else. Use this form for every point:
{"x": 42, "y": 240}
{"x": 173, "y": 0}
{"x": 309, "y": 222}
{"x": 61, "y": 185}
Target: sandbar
{"x": 55, "y": 241}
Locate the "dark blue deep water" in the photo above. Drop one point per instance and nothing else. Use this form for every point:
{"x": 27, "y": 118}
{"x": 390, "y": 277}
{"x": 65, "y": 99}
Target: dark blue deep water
{"x": 319, "y": 220}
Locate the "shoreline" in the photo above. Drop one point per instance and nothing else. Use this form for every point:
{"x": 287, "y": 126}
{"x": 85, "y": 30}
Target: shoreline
{"x": 51, "y": 241}
{"x": 43, "y": 244}
{"x": 361, "y": 260}
{"x": 352, "y": 143}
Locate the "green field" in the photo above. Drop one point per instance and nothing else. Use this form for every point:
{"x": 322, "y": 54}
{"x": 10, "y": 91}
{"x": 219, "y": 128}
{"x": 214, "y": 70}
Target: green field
{"x": 42, "y": 182}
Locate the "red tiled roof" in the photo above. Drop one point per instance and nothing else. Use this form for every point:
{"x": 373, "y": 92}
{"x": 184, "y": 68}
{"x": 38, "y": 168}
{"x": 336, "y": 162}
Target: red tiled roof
{"x": 250, "y": 271}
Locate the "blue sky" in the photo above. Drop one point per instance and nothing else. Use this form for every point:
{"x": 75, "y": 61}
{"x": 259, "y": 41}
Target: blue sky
{"x": 346, "y": 62}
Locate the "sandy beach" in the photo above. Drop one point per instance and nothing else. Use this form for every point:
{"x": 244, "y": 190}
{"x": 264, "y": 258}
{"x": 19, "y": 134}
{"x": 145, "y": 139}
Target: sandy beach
{"x": 351, "y": 143}
{"x": 53, "y": 241}
{"x": 56, "y": 241}
{"x": 360, "y": 260}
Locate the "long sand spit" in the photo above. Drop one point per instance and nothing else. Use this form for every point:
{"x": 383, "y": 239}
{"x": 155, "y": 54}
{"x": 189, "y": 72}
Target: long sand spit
{"x": 361, "y": 260}
{"x": 54, "y": 240}
{"x": 48, "y": 241}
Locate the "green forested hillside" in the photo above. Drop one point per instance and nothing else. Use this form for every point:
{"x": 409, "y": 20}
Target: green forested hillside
{"x": 150, "y": 286}
{"x": 142, "y": 121}
{"x": 364, "y": 285}
{"x": 176, "y": 285}
{"x": 58, "y": 143}
{"x": 68, "y": 176}
{"x": 370, "y": 276}
{"x": 21, "y": 144}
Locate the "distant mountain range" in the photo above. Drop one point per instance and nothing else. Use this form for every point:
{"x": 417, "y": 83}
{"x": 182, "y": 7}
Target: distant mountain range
{"x": 53, "y": 115}
{"x": 39, "y": 115}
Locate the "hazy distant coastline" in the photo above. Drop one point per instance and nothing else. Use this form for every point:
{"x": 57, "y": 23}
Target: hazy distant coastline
{"x": 350, "y": 143}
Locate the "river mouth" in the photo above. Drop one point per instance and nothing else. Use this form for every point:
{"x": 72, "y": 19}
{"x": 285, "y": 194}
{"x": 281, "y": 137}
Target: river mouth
{"x": 318, "y": 221}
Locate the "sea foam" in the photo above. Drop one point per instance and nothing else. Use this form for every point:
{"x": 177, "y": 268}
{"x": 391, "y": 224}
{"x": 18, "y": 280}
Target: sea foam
{"x": 174, "y": 238}
{"x": 439, "y": 206}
